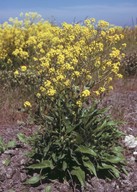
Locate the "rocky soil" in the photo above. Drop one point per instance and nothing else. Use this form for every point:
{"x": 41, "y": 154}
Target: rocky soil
{"x": 123, "y": 102}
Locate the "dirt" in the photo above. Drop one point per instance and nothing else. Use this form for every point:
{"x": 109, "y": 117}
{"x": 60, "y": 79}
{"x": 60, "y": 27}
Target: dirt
{"x": 123, "y": 102}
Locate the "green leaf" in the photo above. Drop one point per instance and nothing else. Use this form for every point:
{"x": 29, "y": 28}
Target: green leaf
{"x": 11, "y": 144}
{"x": 48, "y": 118}
{"x": 1, "y": 140}
{"x": 111, "y": 123}
{"x": 70, "y": 128}
{"x": 64, "y": 166}
{"x": 104, "y": 124}
{"x": 2, "y": 145}
{"x": 34, "y": 179}
{"x": 117, "y": 150}
{"x": 79, "y": 139}
{"x": 90, "y": 167}
{"x": 86, "y": 150}
{"x": 90, "y": 120}
{"x": 75, "y": 159}
{"x": 124, "y": 170}
{"x": 54, "y": 157}
{"x": 114, "y": 159}
{"x": 110, "y": 167}
{"x": 22, "y": 137}
{"x": 80, "y": 174}
{"x": 44, "y": 164}
{"x": 46, "y": 149}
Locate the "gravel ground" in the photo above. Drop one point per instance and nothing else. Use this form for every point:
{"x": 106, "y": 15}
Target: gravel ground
{"x": 123, "y": 101}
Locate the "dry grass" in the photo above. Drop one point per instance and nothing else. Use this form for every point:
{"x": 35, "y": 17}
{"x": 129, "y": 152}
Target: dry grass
{"x": 10, "y": 106}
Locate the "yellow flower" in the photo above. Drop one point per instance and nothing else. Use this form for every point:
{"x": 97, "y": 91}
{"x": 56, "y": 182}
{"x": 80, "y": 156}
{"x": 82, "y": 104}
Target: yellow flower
{"x": 60, "y": 77}
{"x": 108, "y": 63}
{"x": 51, "y": 70}
{"x": 38, "y": 95}
{"x": 51, "y": 92}
{"x": 79, "y": 103}
{"x": 67, "y": 83}
{"x": 23, "y": 68}
{"x": 123, "y": 55}
{"x": 88, "y": 77}
{"x": 102, "y": 89}
{"x": 77, "y": 73}
{"x": 110, "y": 87}
{"x": 109, "y": 79}
{"x": 103, "y": 33}
{"x": 103, "y": 24}
{"x": 9, "y": 61}
{"x": 93, "y": 20}
{"x": 45, "y": 65}
{"x": 97, "y": 93}
{"x": 124, "y": 45}
{"x": 85, "y": 93}
{"x": 47, "y": 83}
{"x": 115, "y": 53}
{"x": 119, "y": 75}
{"x": 42, "y": 89}
{"x": 16, "y": 73}
{"x": 27, "y": 104}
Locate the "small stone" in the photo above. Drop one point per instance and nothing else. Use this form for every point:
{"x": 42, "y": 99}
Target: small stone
{"x": 10, "y": 152}
{"x": 23, "y": 177}
{"x": 64, "y": 188}
{"x": 2, "y": 177}
{"x": 132, "y": 159}
{"x": 135, "y": 153}
{"x": 23, "y": 161}
{"x": 9, "y": 173}
{"x": 130, "y": 141}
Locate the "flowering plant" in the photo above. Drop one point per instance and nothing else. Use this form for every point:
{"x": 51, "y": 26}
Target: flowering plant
{"x": 66, "y": 68}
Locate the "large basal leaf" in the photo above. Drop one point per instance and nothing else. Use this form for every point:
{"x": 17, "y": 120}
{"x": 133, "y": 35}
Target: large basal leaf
{"x": 114, "y": 159}
{"x": 42, "y": 165}
{"x": 80, "y": 174}
{"x": 86, "y": 150}
{"x": 113, "y": 170}
{"x": 90, "y": 166}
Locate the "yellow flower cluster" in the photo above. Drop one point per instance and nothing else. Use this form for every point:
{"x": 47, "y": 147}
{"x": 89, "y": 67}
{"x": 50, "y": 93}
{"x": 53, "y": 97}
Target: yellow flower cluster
{"x": 62, "y": 56}
{"x": 85, "y": 93}
{"x": 46, "y": 89}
